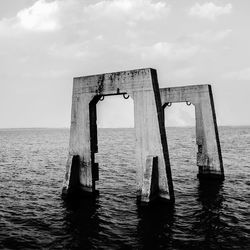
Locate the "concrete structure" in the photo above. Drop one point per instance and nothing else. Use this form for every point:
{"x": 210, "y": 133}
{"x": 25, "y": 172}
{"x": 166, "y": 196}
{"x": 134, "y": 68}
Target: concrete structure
{"x": 150, "y": 185}
{"x": 153, "y": 169}
{"x": 209, "y": 159}
{"x": 154, "y": 179}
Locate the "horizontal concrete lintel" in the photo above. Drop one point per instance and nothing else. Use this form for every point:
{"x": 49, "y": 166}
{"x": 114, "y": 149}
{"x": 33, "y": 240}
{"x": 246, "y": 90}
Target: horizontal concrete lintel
{"x": 106, "y": 92}
{"x": 199, "y": 87}
{"x": 134, "y": 71}
{"x": 109, "y": 82}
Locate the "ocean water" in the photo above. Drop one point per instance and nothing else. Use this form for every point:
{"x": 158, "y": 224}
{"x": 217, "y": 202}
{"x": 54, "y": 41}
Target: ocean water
{"x": 206, "y": 215}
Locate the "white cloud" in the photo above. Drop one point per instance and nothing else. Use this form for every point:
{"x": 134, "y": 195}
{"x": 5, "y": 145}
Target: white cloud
{"x": 39, "y": 17}
{"x": 243, "y": 75}
{"x": 78, "y": 50}
{"x": 132, "y": 10}
{"x": 209, "y": 10}
{"x": 185, "y": 73}
{"x": 81, "y": 17}
{"x": 171, "y": 51}
{"x": 211, "y": 36}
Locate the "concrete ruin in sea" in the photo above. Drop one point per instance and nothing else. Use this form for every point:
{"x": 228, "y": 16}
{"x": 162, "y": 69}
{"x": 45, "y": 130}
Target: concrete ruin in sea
{"x": 154, "y": 178}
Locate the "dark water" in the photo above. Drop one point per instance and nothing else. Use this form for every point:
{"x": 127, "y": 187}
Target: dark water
{"x": 205, "y": 216}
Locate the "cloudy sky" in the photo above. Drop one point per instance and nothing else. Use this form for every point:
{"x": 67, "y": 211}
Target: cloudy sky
{"x": 45, "y": 43}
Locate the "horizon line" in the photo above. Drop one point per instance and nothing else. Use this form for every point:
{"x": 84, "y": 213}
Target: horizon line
{"x": 185, "y": 126}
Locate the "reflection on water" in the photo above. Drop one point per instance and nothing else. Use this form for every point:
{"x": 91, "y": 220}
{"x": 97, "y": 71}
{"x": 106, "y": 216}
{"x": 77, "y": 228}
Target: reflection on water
{"x": 155, "y": 226}
{"x": 209, "y": 226}
{"x": 81, "y": 222}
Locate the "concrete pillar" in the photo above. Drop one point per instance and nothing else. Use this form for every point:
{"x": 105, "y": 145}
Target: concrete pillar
{"x": 142, "y": 86}
{"x": 209, "y": 158}
{"x": 150, "y": 185}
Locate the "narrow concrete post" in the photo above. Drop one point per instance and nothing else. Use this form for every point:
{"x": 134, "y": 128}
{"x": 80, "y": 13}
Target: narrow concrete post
{"x": 209, "y": 158}
{"x": 150, "y": 185}
{"x": 142, "y": 86}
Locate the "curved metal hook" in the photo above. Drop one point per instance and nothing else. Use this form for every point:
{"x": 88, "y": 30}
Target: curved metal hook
{"x": 125, "y": 96}
{"x": 188, "y": 103}
{"x": 101, "y": 98}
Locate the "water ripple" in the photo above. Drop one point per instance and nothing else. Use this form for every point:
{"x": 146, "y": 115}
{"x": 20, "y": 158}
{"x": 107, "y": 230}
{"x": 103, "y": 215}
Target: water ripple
{"x": 206, "y": 215}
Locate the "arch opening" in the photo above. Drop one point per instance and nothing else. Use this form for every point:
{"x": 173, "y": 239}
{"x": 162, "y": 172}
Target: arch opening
{"x": 114, "y": 145}
{"x": 180, "y": 127}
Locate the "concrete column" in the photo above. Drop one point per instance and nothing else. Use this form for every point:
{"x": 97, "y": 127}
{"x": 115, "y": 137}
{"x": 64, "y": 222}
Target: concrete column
{"x": 209, "y": 158}
{"x": 79, "y": 144}
{"x": 149, "y": 142}
{"x": 150, "y": 183}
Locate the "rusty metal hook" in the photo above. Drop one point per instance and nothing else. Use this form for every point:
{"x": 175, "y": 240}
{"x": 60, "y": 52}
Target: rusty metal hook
{"x": 125, "y": 96}
{"x": 188, "y": 103}
{"x": 101, "y": 98}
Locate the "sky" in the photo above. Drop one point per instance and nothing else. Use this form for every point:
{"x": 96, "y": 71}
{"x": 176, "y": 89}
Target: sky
{"x": 45, "y": 43}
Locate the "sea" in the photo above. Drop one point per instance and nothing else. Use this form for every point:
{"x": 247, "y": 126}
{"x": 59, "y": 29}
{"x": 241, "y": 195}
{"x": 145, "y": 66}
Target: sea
{"x": 206, "y": 214}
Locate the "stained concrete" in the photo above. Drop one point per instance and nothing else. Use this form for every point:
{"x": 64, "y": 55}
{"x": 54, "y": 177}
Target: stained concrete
{"x": 209, "y": 158}
{"x": 150, "y": 134}
{"x": 150, "y": 185}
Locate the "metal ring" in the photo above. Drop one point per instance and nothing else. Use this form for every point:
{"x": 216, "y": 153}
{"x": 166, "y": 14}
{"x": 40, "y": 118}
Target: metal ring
{"x": 169, "y": 104}
{"x": 101, "y": 98}
{"x": 125, "y": 97}
{"x": 188, "y": 103}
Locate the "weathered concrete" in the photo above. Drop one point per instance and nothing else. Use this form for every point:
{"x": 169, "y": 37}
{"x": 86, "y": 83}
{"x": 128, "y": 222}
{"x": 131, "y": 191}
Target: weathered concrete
{"x": 142, "y": 86}
{"x": 209, "y": 157}
{"x": 150, "y": 185}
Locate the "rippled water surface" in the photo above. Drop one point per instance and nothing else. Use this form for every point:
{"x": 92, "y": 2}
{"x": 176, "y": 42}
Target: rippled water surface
{"x": 206, "y": 215}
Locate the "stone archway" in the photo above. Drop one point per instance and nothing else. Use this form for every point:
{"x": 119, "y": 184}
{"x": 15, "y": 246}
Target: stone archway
{"x": 209, "y": 158}
{"x": 154, "y": 177}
